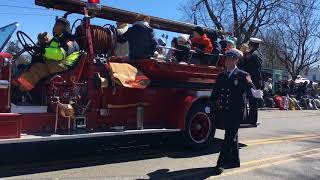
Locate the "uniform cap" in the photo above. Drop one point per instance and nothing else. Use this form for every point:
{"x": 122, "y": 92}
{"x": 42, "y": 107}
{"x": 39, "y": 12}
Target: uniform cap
{"x": 256, "y": 40}
{"x": 234, "y": 53}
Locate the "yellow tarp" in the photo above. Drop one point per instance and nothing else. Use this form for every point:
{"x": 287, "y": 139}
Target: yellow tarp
{"x": 126, "y": 75}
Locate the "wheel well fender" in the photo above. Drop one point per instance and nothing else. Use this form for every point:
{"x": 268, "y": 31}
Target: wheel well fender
{"x": 182, "y": 108}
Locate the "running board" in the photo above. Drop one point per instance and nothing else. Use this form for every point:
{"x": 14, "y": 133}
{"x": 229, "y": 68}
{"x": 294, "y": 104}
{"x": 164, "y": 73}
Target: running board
{"x": 28, "y": 109}
{"x": 57, "y": 137}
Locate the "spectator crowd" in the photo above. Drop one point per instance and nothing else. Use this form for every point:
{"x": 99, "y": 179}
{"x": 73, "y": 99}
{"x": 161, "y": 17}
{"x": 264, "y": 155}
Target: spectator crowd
{"x": 289, "y": 95}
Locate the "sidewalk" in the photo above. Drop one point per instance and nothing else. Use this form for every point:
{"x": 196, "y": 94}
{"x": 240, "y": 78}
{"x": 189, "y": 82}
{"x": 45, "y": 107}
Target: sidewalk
{"x": 268, "y": 109}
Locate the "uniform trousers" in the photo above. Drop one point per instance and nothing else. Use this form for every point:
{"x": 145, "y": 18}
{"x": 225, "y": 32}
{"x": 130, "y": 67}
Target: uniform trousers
{"x": 229, "y": 154}
{"x": 253, "y": 112}
{"x": 37, "y": 72}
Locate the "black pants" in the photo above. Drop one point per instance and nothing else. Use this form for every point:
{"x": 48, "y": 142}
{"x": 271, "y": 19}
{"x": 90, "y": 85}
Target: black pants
{"x": 253, "y": 112}
{"x": 229, "y": 154}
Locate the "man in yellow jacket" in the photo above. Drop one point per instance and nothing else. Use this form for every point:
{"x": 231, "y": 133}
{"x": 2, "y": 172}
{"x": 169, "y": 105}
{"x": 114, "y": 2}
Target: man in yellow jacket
{"x": 60, "y": 53}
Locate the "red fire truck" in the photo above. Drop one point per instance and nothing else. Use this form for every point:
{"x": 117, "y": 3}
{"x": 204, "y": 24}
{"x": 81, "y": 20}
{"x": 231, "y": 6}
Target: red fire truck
{"x": 93, "y": 100}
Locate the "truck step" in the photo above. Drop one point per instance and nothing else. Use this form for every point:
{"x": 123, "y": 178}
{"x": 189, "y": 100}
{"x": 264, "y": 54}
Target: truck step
{"x": 28, "y": 138}
{"x": 28, "y": 109}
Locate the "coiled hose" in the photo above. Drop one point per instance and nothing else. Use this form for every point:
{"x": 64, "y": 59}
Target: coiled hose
{"x": 104, "y": 39}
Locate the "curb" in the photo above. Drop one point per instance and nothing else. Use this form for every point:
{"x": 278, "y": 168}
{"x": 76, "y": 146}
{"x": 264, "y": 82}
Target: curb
{"x": 267, "y": 109}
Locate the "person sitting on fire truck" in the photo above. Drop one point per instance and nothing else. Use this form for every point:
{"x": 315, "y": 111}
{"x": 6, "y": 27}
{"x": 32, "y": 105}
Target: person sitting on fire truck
{"x": 182, "y": 54}
{"x": 43, "y": 39}
{"x": 142, "y": 42}
{"x": 122, "y": 49}
{"x": 22, "y": 63}
{"x": 200, "y": 41}
{"x": 201, "y": 44}
{"x": 60, "y": 54}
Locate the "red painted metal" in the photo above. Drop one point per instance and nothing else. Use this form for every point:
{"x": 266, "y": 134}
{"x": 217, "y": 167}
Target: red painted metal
{"x": 10, "y": 125}
{"x": 5, "y": 55}
{"x": 5, "y": 74}
{"x": 37, "y": 123}
{"x": 90, "y": 68}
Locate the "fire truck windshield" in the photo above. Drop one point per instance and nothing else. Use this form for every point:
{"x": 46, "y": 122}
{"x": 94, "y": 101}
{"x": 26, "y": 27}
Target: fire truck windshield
{"x": 6, "y": 33}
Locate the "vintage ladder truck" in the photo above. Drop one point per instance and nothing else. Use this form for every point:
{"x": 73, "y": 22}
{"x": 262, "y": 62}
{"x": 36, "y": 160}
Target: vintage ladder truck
{"x": 99, "y": 98}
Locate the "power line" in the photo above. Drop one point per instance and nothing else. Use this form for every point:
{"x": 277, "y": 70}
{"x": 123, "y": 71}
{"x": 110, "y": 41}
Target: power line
{"x": 26, "y": 14}
{"x": 22, "y": 7}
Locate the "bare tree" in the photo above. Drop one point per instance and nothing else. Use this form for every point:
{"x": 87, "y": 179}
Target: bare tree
{"x": 271, "y": 61}
{"x": 294, "y": 40}
{"x": 244, "y": 18}
{"x": 204, "y": 12}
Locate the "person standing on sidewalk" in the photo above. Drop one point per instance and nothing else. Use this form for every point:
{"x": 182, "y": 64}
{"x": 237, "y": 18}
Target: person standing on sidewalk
{"x": 229, "y": 91}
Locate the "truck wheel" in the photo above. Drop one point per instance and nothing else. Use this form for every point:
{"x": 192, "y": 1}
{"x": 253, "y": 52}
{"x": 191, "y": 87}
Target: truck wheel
{"x": 199, "y": 128}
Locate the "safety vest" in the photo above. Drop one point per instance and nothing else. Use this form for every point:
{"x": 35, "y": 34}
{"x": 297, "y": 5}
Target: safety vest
{"x": 72, "y": 58}
{"x": 55, "y": 52}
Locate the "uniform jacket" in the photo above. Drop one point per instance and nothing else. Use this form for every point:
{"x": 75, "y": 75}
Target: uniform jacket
{"x": 202, "y": 43}
{"x": 252, "y": 64}
{"x": 142, "y": 43}
{"x": 229, "y": 93}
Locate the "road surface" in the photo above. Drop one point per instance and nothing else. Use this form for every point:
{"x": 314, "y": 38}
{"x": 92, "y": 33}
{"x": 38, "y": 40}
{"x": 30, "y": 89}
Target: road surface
{"x": 285, "y": 146}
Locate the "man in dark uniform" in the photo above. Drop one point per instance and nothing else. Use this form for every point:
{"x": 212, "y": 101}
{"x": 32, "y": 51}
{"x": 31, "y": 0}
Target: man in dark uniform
{"x": 230, "y": 89}
{"x": 252, "y": 63}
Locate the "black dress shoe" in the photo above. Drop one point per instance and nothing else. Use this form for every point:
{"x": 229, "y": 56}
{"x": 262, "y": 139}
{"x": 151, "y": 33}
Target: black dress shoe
{"x": 218, "y": 170}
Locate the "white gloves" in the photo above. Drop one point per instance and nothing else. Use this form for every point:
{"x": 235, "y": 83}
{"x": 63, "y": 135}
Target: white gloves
{"x": 257, "y": 93}
{"x": 207, "y": 110}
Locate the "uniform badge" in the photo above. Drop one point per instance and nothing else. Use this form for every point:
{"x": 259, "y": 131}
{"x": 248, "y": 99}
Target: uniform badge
{"x": 236, "y": 82}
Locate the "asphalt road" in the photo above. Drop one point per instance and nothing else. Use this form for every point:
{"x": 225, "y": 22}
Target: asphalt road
{"x": 285, "y": 146}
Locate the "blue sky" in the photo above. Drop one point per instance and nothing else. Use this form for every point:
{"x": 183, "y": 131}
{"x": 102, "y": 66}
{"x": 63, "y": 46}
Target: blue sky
{"x": 33, "y": 20}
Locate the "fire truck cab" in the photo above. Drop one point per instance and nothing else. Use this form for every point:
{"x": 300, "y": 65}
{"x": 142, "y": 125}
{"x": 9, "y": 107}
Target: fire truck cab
{"x": 103, "y": 95}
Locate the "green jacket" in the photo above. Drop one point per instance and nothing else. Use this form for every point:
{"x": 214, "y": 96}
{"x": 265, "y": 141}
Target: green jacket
{"x": 62, "y": 48}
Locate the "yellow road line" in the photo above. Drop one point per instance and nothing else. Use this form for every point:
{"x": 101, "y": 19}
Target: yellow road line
{"x": 283, "y": 137}
{"x": 257, "y": 164}
{"x": 280, "y": 139}
{"x": 279, "y": 157}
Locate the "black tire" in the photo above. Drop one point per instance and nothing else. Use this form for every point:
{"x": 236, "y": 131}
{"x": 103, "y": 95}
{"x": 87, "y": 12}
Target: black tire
{"x": 196, "y": 122}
